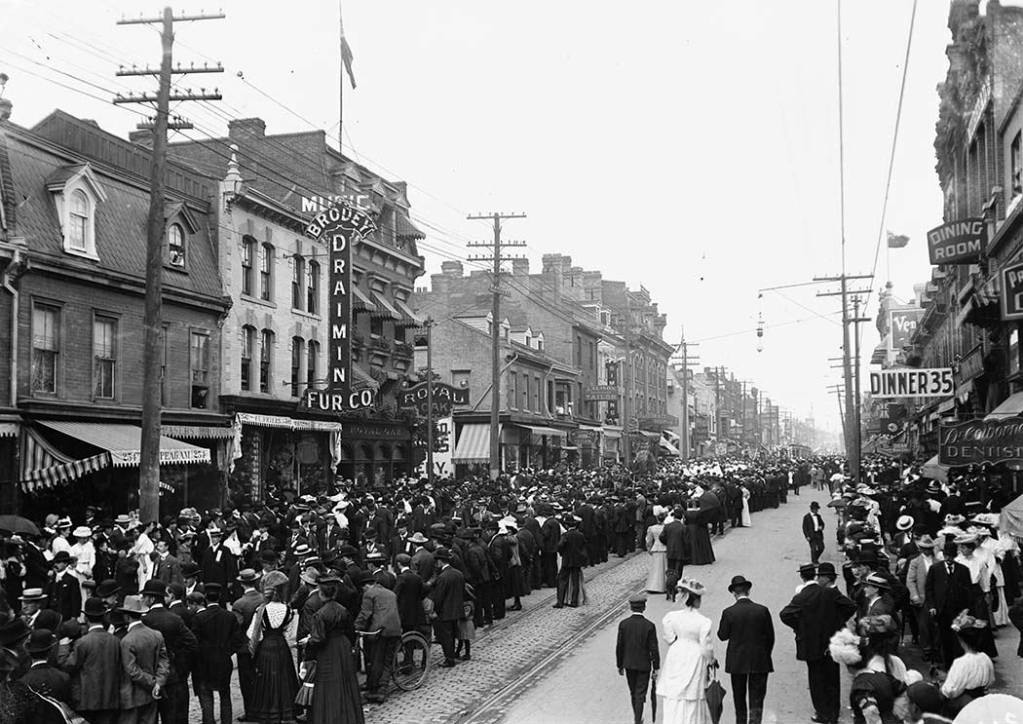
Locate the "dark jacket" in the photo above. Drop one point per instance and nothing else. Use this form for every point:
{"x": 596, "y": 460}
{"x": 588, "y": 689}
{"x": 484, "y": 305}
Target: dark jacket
{"x": 179, "y": 640}
{"x": 808, "y": 531}
{"x": 408, "y": 589}
{"x": 448, "y": 594}
{"x": 219, "y": 636}
{"x": 572, "y": 548}
{"x": 947, "y": 595}
{"x": 673, "y": 535}
{"x": 95, "y": 667}
{"x": 551, "y": 533}
{"x": 144, "y": 662}
{"x": 66, "y": 596}
{"x": 245, "y": 607}
{"x": 748, "y": 629}
{"x": 815, "y": 614}
{"x": 637, "y": 644}
{"x": 49, "y": 681}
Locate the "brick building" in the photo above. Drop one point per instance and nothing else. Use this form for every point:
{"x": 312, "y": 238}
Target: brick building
{"x": 74, "y": 249}
{"x": 275, "y": 335}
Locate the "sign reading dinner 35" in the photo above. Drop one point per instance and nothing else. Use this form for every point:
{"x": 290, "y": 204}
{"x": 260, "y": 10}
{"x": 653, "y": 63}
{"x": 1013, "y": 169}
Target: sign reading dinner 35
{"x": 909, "y": 382}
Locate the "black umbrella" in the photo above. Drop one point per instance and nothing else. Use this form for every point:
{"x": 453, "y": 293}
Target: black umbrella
{"x": 17, "y": 524}
{"x": 653, "y": 698}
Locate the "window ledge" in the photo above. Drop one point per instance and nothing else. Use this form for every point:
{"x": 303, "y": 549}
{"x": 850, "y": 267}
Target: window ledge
{"x": 178, "y": 269}
{"x": 83, "y": 254}
{"x": 257, "y": 300}
{"x": 303, "y": 313}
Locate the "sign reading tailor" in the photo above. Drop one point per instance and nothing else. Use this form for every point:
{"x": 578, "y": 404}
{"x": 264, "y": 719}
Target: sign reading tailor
{"x": 980, "y": 441}
{"x": 339, "y": 227}
{"x": 912, "y": 382}
{"x": 903, "y": 323}
{"x": 444, "y": 398}
{"x": 601, "y": 393}
{"x": 1012, "y": 292}
{"x": 957, "y": 242}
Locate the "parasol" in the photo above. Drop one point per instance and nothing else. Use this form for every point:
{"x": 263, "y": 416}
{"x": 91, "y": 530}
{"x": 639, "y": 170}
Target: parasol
{"x": 1010, "y": 522}
{"x": 653, "y": 697}
{"x": 17, "y": 524}
{"x": 715, "y": 696}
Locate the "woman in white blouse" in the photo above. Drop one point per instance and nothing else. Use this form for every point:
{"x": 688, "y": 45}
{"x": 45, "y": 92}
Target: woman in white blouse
{"x": 970, "y": 674}
{"x": 685, "y": 673}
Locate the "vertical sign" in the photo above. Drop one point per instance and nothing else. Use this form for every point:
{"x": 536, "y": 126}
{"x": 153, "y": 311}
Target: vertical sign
{"x": 339, "y": 227}
{"x": 611, "y": 411}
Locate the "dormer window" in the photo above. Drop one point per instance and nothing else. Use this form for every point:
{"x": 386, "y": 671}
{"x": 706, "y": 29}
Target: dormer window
{"x": 77, "y": 194}
{"x": 176, "y": 246}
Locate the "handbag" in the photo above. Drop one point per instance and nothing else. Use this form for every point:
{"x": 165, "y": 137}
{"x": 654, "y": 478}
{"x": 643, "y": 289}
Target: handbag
{"x": 715, "y": 695}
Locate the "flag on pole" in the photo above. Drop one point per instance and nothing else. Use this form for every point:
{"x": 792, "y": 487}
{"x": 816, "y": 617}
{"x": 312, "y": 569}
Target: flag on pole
{"x": 897, "y": 241}
{"x": 346, "y": 51}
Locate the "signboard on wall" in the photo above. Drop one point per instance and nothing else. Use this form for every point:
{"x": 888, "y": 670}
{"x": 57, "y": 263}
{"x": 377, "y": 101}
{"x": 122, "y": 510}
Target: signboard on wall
{"x": 445, "y": 396}
{"x": 443, "y": 449}
{"x": 902, "y": 324}
{"x": 340, "y": 227}
{"x": 957, "y": 242}
{"x": 1012, "y": 292}
{"x": 601, "y": 393}
{"x": 980, "y": 441}
{"x": 911, "y": 382}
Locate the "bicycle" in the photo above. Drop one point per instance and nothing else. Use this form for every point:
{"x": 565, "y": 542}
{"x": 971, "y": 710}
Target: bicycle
{"x": 410, "y": 665}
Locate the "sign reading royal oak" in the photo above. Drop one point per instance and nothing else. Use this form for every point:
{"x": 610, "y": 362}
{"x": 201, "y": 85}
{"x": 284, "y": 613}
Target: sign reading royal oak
{"x": 957, "y": 242}
{"x": 980, "y": 441}
{"x": 444, "y": 398}
{"x": 339, "y": 227}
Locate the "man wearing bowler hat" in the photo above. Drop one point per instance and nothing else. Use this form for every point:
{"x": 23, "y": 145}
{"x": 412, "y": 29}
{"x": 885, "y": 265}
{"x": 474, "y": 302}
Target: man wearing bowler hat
{"x": 637, "y": 655}
{"x": 244, "y": 609}
{"x": 66, "y": 590}
{"x": 181, "y": 648}
{"x": 94, "y": 664}
{"x": 813, "y": 531}
{"x": 43, "y": 678}
{"x": 572, "y": 548}
{"x": 219, "y": 636}
{"x": 145, "y": 666}
{"x": 448, "y": 603}
{"x": 748, "y": 629}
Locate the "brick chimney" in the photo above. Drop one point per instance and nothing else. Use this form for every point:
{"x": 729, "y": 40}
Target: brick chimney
{"x": 554, "y": 268}
{"x": 141, "y": 137}
{"x": 246, "y": 128}
{"x": 451, "y": 269}
{"x": 520, "y": 267}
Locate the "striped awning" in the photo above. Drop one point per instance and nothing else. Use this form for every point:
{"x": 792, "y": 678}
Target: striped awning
{"x": 405, "y": 229}
{"x": 124, "y": 443}
{"x": 43, "y": 466}
{"x": 408, "y": 317}
{"x": 9, "y": 429}
{"x": 196, "y": 432}
{"x": 362, "y": 300}
{"x": 384, "y": 307}
{"x": 542, "y": 430}
{"x": 287, "y": 423}
{"x": 473, "y": 444}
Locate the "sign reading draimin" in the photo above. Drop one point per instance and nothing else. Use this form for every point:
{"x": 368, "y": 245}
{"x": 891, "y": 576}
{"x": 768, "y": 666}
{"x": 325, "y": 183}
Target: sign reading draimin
{"x": 339, "y": 227}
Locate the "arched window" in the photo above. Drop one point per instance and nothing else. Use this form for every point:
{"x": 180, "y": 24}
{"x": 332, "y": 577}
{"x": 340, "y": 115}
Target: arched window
{"x": 78, "y": 221}
{"x": 312, "y": 288}
{"x": 297, "y": 347}
{"x": 297, "y": 279}
{"x": 176, "y": 246}
{"x": 266, "y": 266}
{"x": 248, "y": 343}
{"x": 266, "y": 348}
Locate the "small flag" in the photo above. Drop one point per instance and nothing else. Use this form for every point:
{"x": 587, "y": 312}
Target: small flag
{"x": 897, "y": 241}
{"x": 346, "y": 52}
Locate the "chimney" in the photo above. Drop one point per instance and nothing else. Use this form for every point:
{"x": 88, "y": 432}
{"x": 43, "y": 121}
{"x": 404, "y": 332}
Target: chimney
{"x": 520, "y": 267}
{"x": 142, "y": 137}
{"x": 5, "y": 109}
{"x": 451, "y": 269}
{"x": 440, "y": 284}
{"x": 246, "y": 128}
{"x": 554, "y": 266}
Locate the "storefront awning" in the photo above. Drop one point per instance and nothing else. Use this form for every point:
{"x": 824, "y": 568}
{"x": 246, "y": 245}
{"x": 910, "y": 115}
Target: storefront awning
{"x": 408, "y": 316}
{"x": 473, "y": 444}
{"x": 123, "y": 442}
{"x": 569, "y": 447}
{"x": 649, "y": 435}
{"x": 963, "y": 393}
{"x": 43, "y": 466}
{"x": 196, "y": 432}
{"x": 934, "y": 470}
{"x": 669, "y": 447}
{"x": 384, "y": 307}
{"x": 1011, "y": 407}
{"x": 9, "y": 429}
{"x": 946, "y": 406}
{"x": 541, "y": 430}
{"x": 287, "y": 423}
{"x": 364, "y": 378}
{"x": 363, "y": 301}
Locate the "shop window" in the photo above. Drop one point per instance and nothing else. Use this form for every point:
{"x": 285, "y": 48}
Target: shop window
{"x": 1016, "y": 158}
{"x": 266, "y": 345}
{"x": 176, "y": 246}
{"x": 312, "y": 363}
{"x": 248, "y": 265}
{"x": 297, "y": 344}
{"x": 266, "y": 266}
{"x": 248, "y": 342}
{"x": 312, "y": 288}
{"x": 199, "y": 362}
{"x": 297, "y": 279}
{"x": 45, "y": 348}
{"x": 104, "y": 357}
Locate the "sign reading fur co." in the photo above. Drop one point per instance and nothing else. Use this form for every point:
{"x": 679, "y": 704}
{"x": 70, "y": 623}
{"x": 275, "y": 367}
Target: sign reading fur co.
{"x": 339, "y": 227}
{"x": 911, "y": 382}
{"x": 957, "y": 242}
{"x": 980, "y": 441}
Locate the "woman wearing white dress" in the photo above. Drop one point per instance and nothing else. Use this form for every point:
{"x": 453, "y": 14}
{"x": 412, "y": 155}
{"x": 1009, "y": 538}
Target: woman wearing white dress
{"x": 658, "y": 552}
{"x": 684, "y": 674}
{"x": 747, "y": 519}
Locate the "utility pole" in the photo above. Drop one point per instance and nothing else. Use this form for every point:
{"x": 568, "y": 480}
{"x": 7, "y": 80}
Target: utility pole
{"x": 857, "y": 413}
{"x": 495, "y": 332}
{"x": 149, "y": 451}
{"x": 429, "y": 399}
{"x": 851, "y": 450}
{"x": 686, "y": 361}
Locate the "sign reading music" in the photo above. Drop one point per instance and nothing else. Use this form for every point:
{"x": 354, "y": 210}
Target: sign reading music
{"x": 339, "y": 226}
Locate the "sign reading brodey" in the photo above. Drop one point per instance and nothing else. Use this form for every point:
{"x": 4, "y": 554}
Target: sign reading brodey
{"x": 340, "y": 227}
{"x": 957, "y": 242}
{"x": 979, "y": 441}
{"x": 910, "y": 382}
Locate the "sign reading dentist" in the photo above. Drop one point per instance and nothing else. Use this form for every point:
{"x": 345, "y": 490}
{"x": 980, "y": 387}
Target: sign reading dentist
{"x": 339, "y": 226}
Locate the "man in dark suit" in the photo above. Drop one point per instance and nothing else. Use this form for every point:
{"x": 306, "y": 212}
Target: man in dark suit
{"x": 572, "y": 548}
{"x": 66, "y": 590}
{"x": 813, "y": 531}
{"x": 168, "y": 568}
{"x": 244, "y": 609}
{"x": 624, "y": 528}
{"x": 588, "y": 527}
{"x": 408, "y": 589}
{"x": 550, "y": 532}
{"x": 218, "y": 563}
{"x": 37, "y": 570}
{"x": 815, "y": 614}
{"x": 94, "y": 664}
{"x": 41, "y": 677}
{"x": 219, "y": 636}
{"x": 447, "y": 594}
{"x": 181, "y": 648}
{"x": 145, "y": 666}
{"x": 673, "y": 536}
{"x": 946, "y": 593}
{"x": 747, "y": 628}
{"x": 379, "y": 614}
{"x": 636, "y": 653}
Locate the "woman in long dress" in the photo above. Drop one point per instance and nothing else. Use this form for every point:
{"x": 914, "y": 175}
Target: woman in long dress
{"x": 684, "y": 674}
{"x": 658, "y": 555}
{"x": 747, "y": 519}
{"x": 336, "y": 698}
{"x": 701, "y": 551}
{"x": 271, "y": 638}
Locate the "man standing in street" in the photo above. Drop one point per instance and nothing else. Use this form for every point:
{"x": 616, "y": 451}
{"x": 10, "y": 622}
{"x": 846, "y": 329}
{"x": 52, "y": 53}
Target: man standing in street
{"x": 815, "y": 614}
{"x": 94, "y": 662}
{"x": 813, "y": 531}
{"x": 219, "y": 637}
{"x": 244, "y": 609}
{"x": 145, "y": 666}
{"x": 673, "y": 536}
{"x": 747, "y": 628}
{"x": 181, "y": 646}
{"x": 572, "y": 548}
{"x": 448, "y": 603}
{"x": 636, "y": 653}
{"x": 378, "y": 617}
{"x": 947, "y": 591}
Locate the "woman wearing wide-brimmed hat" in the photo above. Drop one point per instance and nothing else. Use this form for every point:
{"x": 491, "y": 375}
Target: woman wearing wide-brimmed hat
{"x": 980, "y": 587}
{"x": 684, "y": 675}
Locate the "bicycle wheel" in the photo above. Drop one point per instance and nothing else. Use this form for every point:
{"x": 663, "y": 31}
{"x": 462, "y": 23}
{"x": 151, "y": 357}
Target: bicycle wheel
{"x": 411, "y": 661}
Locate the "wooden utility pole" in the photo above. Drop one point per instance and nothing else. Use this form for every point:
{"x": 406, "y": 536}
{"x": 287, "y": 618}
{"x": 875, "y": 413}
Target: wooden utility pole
{"x": 149, "y": 451}
{"x": 495, "y": 332}
{"x": 686, "y": 361}
{"x": 429, "y": 399}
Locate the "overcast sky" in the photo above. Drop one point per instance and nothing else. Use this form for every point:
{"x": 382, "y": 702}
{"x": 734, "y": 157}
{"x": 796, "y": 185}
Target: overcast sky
{"x": 691, "y": 147}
